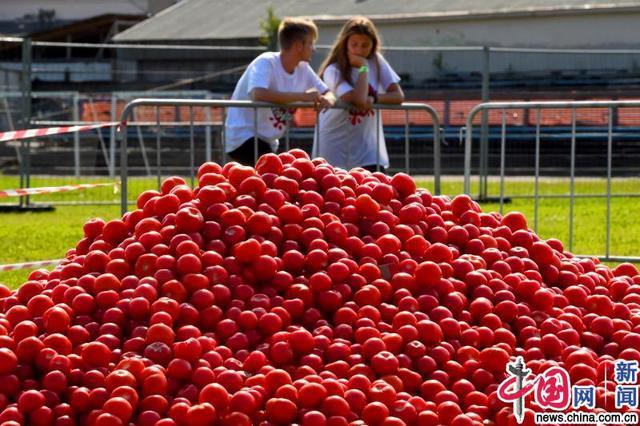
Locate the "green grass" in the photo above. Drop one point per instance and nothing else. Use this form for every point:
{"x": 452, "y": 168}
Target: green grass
{"x": 102, "y": 194}
{"x": 33, "y": 236}
{"x": 589, "y": 225}
{"x": 36, "y": 236}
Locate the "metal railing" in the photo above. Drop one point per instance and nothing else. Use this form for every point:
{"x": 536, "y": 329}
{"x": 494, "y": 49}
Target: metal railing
{"x": 81, "y": 157}
{"x": 191, "y": 103}
{"x": 484, "y": 108}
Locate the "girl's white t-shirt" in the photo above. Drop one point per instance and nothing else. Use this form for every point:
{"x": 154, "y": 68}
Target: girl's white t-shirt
{"x": 267, "y": 72}
{"x": 348, "y": 138}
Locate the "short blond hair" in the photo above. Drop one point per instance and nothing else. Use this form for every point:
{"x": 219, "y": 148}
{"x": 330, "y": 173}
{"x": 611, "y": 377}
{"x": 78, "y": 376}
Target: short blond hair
{"x": 295, "y": 29}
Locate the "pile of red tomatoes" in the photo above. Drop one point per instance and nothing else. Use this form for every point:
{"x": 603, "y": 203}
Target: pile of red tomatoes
{"x": 299, "y": 293}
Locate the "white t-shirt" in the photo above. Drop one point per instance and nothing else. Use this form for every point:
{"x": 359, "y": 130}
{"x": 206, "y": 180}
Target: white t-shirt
{"x": 266, "y": 72}
{"x": 348, "y": 137}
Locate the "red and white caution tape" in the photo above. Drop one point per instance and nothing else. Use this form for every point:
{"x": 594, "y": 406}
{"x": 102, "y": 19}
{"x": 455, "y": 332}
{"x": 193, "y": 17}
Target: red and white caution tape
{"x": 15, "y": 135}
{"x": 30, "y": 265}
{"x": 51, "y": 189}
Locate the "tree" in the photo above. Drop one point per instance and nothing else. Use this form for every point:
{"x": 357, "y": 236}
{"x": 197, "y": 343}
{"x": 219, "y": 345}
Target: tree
{"x": 269, "y": 29}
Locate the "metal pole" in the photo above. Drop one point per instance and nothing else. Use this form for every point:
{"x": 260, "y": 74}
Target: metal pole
{"x": 436, "y": 155}
{"x": 158, "y": 150}
{"x": 103, "y": 146}
{"x": 76, "y": 138}
{"x": 207, "y": 133}
{"x": 467, "y": 151}
{"x": 255, "y": 136}
{"x": 143, "y": 150}
{"x": 609, "y": 152}
{"x": 192, "y": 148}
{"x": 124, "y": 170}
{"x": 406, "y": 141}
{"x": 349, "y": 144}
{"x": 224, "y": 136}
{"x": 287, "y": 145}
{"x": 484, "y": 130}
{"x": 112, "y": 141}
{"x": 27, "y": 169}
{"x": 536, "y": 184}
{"x": 378, "y": 124}
{"x": 572, "y": 178}
{"x": 317, "y": 130}
{"x": 26, "y": 82}
{"x": 503, "y": 140}
{"x": 25, "y": 121}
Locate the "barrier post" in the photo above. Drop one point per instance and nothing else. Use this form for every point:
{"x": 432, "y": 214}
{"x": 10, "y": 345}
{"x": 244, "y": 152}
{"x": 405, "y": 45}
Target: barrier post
{"x": 437, "y": 135}
{"x": 207, "y": 132}
{"x": 158, "y": 150}
{"x": 76, "y": 138}
{"x": 484, "y": 131}
{"x": 25, "y": 120}
{"x": 124, "y": 168}
{"x": 113, "y": 136}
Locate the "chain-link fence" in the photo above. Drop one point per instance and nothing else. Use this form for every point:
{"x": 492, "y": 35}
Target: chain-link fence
{"x": 52, "y": 83}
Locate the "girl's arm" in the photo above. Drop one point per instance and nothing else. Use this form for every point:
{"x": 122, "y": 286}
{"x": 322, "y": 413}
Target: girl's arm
{"x": 394, "y": 95}
{"x": 359, "y": 96}
{"x": 260, "y": 94}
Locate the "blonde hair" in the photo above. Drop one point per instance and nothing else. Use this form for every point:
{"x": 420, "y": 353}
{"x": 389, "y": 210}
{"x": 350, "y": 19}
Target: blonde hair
{"x": 295, "y": 29}
{"x": 339, "y": 54}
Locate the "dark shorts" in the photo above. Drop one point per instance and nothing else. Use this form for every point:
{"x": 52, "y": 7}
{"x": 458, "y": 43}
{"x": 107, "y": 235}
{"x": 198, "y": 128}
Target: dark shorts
{"x": 373, "y": 168}
{"x": 245, "y": 153}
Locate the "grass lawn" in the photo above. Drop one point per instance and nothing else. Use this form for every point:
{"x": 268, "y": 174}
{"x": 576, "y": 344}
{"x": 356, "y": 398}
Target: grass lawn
{"x": 34, "y": 236}
{"x": 589, "y": 224}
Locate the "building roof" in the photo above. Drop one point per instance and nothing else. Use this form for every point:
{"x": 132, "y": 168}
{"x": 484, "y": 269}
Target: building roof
{"x": 240, "y": 19}
{"x": 87, "y": 30}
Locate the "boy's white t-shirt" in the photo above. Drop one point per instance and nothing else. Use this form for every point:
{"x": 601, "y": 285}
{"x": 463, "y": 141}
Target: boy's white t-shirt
{"x": 348, "y": 138}
{"x": 267, "y": 72}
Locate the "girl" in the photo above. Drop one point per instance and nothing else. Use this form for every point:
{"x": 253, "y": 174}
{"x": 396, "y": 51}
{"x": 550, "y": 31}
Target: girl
{"x": 358, "y": 74}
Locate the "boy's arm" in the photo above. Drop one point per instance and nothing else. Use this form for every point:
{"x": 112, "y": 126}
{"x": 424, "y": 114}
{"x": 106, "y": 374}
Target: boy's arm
{"x": 321, "y": 101}
{"x": 326, "y": 101}
{"x": 260, "y": 94}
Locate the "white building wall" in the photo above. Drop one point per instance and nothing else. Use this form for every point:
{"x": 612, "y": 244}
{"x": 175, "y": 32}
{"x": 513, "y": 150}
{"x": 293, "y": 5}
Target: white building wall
{"x": 594, "y": 31}
{"x": 597, "y": 30}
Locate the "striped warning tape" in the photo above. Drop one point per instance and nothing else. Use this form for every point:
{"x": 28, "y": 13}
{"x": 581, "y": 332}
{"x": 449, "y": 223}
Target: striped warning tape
{"x": 50, "y": 189}
{"x": 14, "y": 135}
{"x": 30, "y": 265}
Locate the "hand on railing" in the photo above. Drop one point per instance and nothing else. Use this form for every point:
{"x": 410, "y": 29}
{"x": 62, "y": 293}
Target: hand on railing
{"x": 321, "y": 102}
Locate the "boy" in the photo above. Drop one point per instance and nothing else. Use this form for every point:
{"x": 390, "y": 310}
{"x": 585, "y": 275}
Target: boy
{"x": 275, "y": 77}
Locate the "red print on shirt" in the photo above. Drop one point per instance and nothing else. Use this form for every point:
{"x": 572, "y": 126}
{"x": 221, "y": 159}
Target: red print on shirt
{"x": 356, "y": 116}
{"x": 281, "y": 116}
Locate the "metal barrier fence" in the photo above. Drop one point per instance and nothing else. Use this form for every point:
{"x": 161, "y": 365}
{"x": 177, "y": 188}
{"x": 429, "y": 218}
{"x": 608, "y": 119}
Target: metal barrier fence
{"x": 514, "y": 115}
{"x": 189, "y": 103}
{"x": 80, "y": 157}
